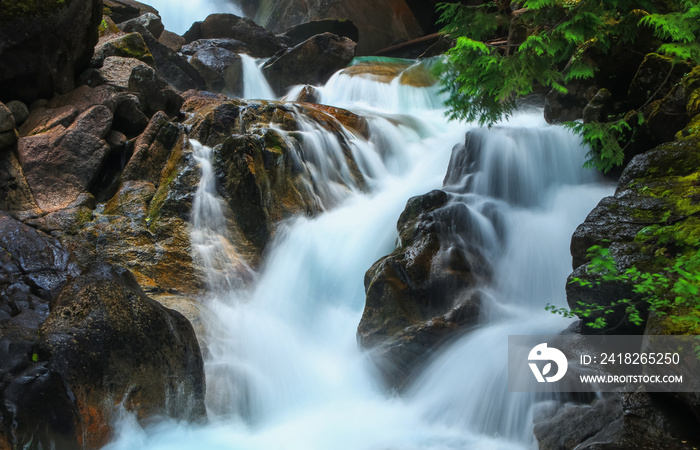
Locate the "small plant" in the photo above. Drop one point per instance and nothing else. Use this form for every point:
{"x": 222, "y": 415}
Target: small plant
{"x": 672, "y": 292}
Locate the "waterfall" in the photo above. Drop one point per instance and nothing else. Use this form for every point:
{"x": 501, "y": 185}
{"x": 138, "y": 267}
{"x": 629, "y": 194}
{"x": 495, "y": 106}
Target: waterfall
{"x": 255, "y": 86}
{"x": 284, "y": 370}
{"x": 179, "y": 15}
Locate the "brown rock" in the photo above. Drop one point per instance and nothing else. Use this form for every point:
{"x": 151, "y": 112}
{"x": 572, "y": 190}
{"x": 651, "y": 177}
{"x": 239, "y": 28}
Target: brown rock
{"x": 152, "y": 150}
{"x": 173, "y": 41}
{"x": 114, "y": 345}
{"x": 60, "y": 164}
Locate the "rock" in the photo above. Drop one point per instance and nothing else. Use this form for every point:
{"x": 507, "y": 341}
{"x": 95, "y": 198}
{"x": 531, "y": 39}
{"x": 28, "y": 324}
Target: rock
{"x": 43, "y": 47}
{"x": 311, "y": 62}
{"x": 60, "y": 164}
{"x": 656, "y": 190}
{"x": 261, "y": 42}
{"x": 114, "y": 345}
{"x": 107, "y": 26}
{"x": 128, "y": 117}
{"x": 425, "y": 290}
{"x": 308, "y": 94}
{"x": 616, "y": 421}
{"x": 19, "y": 111}
{"x": 340, "y": 27}
{"x": 154, "y": 93}
{"x": 194, "y": 33}
{"x": 596, "y": 110}
{"x": 232, "y": 45}
{"x": 379, "y": 24}
{"x": 222, "y": 69}
{"x": 655, "y": 78}
{"x": 560, "y": 107}
{"x": 36, "y": 405}
{"x": 15, "y": 194}
{"x": 171, "y": 40}
{"x": 171, "y": 66}
{"x": 130, "y": 45}
{"x": 7, "y": 119}
{"x": 149, "y": 21}
{"x": 152, "y": 150}
{"x": 115, "y": 70}
{"x": 123, "y": 10}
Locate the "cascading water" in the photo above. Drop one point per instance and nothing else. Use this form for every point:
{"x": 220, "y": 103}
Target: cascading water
{"x": 255, "y": 85}
{"x": 284, "y": 369}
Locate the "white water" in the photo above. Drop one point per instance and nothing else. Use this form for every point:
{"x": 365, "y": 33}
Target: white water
{"x": 179, "y": 15}
{"x": 285, "y": 371}
{"x": 255, "y": 85}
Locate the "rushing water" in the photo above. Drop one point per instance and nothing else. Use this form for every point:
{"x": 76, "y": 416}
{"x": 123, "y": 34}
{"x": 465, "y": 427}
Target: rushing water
{"x": 285, "y": 371}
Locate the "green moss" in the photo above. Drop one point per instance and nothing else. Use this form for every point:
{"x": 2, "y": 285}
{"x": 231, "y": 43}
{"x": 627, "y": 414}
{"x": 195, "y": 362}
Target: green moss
{"x": 11, "y": 9}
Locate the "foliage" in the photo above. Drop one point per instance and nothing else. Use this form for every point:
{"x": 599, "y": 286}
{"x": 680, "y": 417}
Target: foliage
{"x": 485, "y": 78}
{"x": 672, "y": 290}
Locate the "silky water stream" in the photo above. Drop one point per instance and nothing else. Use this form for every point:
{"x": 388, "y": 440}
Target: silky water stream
{"x": 284, "y": 370}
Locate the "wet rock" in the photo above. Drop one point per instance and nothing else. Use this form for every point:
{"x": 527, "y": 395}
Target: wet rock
{"x": 340, "y": 27}
{"x": 656, "y": 190}
{"x": 36, "y": 405}
{"x": 424, "y": 291}
{"x": 19, "y": 111}
{"x": 311, "y": 62}
{"x": 123, "y": 10}
{"x": 144, "y": 226}
{"x": 149, "y": 21}
{"x": 114, "y": 345}
{"x": 221, "y": 68}
{"x": 232, "y": 45}
{"x": 261, "y": 42}
{"x": 617, "y": 421}
{"x": 43, "y": 47}
{"x": 265, "y": 174}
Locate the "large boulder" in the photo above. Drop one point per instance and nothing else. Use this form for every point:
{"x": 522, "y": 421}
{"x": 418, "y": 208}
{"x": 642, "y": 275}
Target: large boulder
{"x": 75, "y": 342}
{"x": 221, "y": 68}
{"x": 44, "y": 46}
{"x": 424, "y": 291}
{"x": 261, "y": 42}
{"x": 111, "y": 344}
{"x": 311, "y": 62}
{"x": 380, "y": 24}
{"x": 37, "y": 407}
